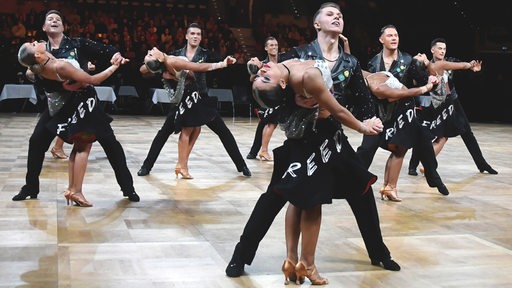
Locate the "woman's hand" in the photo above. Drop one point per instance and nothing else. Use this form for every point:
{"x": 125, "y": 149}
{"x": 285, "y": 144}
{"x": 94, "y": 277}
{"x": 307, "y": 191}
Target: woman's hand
{"x": 229, "y": 60}
{"x": 372, "y": 126}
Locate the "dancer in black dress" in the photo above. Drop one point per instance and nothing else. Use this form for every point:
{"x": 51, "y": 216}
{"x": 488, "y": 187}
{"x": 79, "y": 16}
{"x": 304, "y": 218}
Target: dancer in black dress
{"x": 83, "y": 50}
{"x": 193, "y": 52}
{"x": 314, "y": 161}
{"x": 351, "y": 91}
{"x": 268, "y": 117}
{"x": 442, "y": 112}
{"x": 78, "y": 121}
{"x": 192, "y": 111}
{"x": 400, "y": 64}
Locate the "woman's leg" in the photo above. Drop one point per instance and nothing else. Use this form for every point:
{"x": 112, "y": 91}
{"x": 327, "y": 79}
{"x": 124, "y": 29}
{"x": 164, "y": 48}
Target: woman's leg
{"x": 268, "y": 130}
{"x": 439, "y": 144}
{"x": 184, "y": 149}
{"x": 310, "y": 226}
{"x": 292, "y": 234}
{"x": 391, "y": 174}
{"x": 78, "y": 166}
{"x": 58, "y": 150}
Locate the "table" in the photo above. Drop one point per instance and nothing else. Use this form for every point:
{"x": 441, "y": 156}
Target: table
{"x": 19, "y": 91}
{"x": 105, "y": 93}
{"x": 160, "y": 96}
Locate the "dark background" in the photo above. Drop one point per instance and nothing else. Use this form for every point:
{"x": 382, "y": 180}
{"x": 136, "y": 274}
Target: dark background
{"x": 473, "y": 30}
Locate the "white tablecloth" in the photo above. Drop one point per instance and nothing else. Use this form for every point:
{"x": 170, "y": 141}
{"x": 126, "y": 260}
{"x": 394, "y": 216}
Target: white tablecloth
{"x": 18, "y": 91}
{"x": 160, "y": 96}
{"x": 105, "y": 93}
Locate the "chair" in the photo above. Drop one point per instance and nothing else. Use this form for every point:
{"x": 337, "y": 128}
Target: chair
{"x": 223, "y": 95}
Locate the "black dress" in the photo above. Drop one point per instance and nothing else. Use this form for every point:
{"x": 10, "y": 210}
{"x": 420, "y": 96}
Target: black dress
{"x": 194, "y": 109}
{"x": 81, "y": 119}
{"x": 318, "y": 167}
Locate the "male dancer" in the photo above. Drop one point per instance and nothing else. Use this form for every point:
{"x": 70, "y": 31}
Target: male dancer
{"x": 268, "y": 117}
{"x": 400, "y": 65}
{"x": 438, "y": 49}
{"x": 83, "y": 50}
{"x": 194, "y": 53}
{"x": 351, "y": 91}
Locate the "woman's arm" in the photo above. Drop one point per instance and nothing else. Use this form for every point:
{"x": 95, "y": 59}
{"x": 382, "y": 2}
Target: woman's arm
{"x": 314, "y": 84}
{"x": 178, "y": 64}
{"x": 383, "y": 91}
{"x": 67, "y": 71}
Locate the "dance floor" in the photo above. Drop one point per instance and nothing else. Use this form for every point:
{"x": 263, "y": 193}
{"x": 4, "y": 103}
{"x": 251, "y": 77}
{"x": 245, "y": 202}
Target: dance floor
{"x": 182, "y": 232}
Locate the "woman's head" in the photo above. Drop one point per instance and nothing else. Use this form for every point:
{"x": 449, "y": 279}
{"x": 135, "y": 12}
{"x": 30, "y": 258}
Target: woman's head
{"x": 29, "y": 55}
{"x": 269, "y": 85}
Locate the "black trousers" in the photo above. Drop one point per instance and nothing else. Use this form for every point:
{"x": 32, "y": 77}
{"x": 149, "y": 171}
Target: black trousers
{"x": 270, "y": 203}
{"x": 469, "y": 140}
{"x": 41, "y": 139}
{"x": 217, "y": 125}
{"x": 258, "y": 136}
{"x": 425, "y": 152}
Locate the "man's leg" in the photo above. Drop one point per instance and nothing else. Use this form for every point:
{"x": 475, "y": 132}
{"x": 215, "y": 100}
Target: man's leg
{"x": 116, "y": 157}
{"x": 265, "y": 211}
{"x": 158, "y": 143}
{"x": 427, "y": 157}
{"x": 38, "y": 145}
{"x": 413, "y": 162}
{"x": 218, "y": 126}
{"x": 474, "y": 149}
{"x": 366, "y": 151}
{"x": 256, "y": 143}
{"x": 367, "y": 217}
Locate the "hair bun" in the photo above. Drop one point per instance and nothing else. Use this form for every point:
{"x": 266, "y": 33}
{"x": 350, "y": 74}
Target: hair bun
{"x": 155, "y": 66}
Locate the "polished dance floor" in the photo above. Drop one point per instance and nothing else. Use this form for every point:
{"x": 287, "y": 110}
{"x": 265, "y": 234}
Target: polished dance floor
{"x": 183, "y": 232}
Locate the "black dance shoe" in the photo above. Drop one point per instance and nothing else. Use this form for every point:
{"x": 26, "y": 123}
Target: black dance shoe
{"x": 236, "y": 265}
{"x": 388, "y": 264}
{"x": 143, "y": 171}
{"x": 24, "y": 193}
{"x": 251, "y": 156}
{"x": 412, "y": 172}
{"x": 132, "y": 196}
{"x": 487, "y": 168}
{"x": 443, "y": 190}
{"x": 246, "y": 172}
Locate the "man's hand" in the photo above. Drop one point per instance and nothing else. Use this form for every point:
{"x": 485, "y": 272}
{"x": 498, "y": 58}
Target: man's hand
{"x": 117, "y": 58}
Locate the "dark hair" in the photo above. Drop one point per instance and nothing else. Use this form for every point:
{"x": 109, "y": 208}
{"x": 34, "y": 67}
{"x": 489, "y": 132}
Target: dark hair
{"x": 437, "y": 40}
{"x": 325, "y": 5}
{"x": 27, "y": 58}
{"x": 386, "y": 27}
{"x": 53, "y": 11}
{"x": 194, "y": 25}
{"x": 269, "y": 98}
{"x": 269, "y": 38}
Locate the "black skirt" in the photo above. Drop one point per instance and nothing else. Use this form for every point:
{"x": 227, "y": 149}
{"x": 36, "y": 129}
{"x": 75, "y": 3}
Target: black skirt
{"x": 194, "y": 109}
{"x": 269, "y": 116}
{"x": 81, "y": 119}
{"x": 318, "y": 168}
{"x": 447, "y": 120}
{"x": 402, "y": 128}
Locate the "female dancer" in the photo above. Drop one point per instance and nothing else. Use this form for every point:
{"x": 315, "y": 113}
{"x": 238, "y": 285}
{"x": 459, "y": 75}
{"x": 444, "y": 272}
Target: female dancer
{"x": 442, "y": 111}
{"x": 77, "y": 122}
{"x": 313, "y": 162}
{"x": 193, "y": 110}
{"x": 400, "y": 125}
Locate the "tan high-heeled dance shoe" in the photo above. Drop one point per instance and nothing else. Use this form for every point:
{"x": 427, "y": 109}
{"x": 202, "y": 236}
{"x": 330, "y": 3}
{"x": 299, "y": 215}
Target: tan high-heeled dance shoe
{"x": 79, "y": 200}
{"x": 183, "y": 172}
{"x": 288, "y": 269}
{"x": 389, "y": 193}
{"x": 264, "y": 156}
{"x": 58, "y": 153}
{"x": 67, "y": 193}
{"x": 311, "y": 273}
